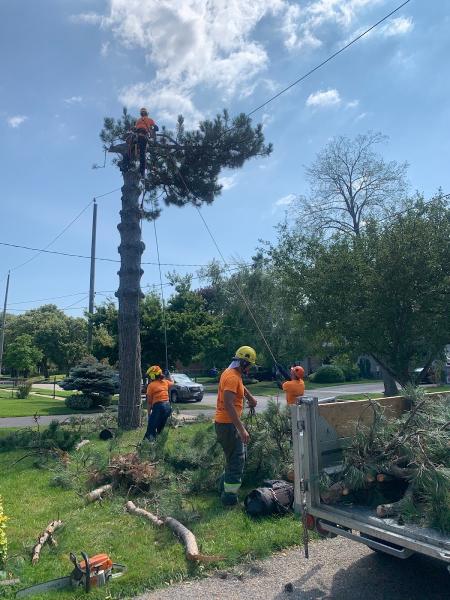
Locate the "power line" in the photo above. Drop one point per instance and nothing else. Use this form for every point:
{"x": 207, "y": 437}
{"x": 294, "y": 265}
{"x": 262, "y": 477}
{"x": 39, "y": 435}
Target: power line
{"x": 113, "y": 260}
{"x": 54, "y": 239}
{"x": 327, "y": 60}
{"x": 46, "y": 299}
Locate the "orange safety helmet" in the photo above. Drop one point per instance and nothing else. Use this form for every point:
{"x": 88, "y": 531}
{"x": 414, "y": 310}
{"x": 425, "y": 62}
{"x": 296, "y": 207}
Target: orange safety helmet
{"x": 298, "y": 371}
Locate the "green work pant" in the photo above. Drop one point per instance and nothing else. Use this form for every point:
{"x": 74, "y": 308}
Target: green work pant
{"x": 234, "y": 451}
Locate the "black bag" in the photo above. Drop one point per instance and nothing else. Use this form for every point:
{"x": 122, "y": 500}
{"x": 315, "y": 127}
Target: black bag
{"x": 276, "y": 497}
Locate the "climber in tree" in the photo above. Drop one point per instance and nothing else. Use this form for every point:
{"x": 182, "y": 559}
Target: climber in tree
{"x": 144, "y": 130}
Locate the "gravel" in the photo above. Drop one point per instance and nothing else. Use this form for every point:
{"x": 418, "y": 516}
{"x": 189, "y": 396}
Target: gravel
{"x": 337, "y": 569}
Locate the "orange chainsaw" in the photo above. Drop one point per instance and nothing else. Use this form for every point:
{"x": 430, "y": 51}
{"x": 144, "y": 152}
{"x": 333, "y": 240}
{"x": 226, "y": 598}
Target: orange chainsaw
{"x": 87, "y": 574}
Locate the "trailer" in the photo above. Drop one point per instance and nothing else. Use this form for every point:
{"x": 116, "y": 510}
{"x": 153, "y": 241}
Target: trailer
{"x": 320, "y": 432}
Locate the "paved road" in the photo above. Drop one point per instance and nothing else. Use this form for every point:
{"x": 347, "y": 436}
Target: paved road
{"x": 208, "y": 399}
{"x": 336, "y": 570}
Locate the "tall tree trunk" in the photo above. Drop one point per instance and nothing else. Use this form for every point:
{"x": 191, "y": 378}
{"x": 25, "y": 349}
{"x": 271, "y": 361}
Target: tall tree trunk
{"x": 390, "y": 386}
{"x": 129, "y": 295}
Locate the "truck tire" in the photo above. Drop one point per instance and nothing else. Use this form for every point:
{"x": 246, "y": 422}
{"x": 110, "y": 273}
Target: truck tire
{"x": 174, "y": 396}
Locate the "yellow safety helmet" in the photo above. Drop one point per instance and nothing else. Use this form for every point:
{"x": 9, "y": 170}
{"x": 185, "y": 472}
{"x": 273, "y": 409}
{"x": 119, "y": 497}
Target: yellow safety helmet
{"x": 246, "y": 353}
{"x": 154, "y": 372}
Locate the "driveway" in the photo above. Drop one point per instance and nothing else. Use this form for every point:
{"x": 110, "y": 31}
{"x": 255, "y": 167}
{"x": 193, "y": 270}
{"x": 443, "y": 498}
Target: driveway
{"x": 336, "y": 570}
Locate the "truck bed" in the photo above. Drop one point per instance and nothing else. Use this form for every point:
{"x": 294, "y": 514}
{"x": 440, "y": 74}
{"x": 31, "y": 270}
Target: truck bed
{"x": 367, "y": 515}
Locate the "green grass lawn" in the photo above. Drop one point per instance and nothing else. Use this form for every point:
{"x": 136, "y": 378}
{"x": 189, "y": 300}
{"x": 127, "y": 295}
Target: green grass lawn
{"x": 17, "y": 407}
{"x": 49, "y": 392}
{"x": 153, "y": 556}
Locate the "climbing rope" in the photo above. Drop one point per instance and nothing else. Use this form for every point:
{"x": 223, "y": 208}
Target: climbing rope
{"x": 163, "y": 303}
{"x": 235, "y": 283}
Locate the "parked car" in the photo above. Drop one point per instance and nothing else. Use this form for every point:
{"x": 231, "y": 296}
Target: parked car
{"x": 185, "y": 389}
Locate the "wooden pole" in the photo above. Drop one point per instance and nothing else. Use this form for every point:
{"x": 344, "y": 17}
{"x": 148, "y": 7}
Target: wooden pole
{"x": 92, "y": 276}
{"x": 2, "y": 333}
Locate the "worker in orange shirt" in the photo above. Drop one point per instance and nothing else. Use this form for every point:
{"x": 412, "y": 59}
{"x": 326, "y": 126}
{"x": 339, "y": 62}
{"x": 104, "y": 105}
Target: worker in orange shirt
{"x": 230, "y": 431}
{"x": 294, "y": 386}
{"x": 145, "y": 128}
{"x": 159, "y": 409}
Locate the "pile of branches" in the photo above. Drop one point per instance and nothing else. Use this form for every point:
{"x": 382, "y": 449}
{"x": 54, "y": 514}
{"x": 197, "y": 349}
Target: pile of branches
{"x": 126, "y": 471}
{"x": 401, "y": 466}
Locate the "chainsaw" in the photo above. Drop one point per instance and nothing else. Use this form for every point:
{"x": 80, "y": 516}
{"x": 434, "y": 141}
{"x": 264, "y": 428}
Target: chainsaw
{"x": 92, "y": 572}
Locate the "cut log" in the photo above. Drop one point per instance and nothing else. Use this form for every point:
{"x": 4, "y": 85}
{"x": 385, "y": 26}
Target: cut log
{"x": 184, "y": 534}
{"x": 334, "y": 492}
{"x": 135, "y": 510}
{"x": 98, "y": 493}
{"x": 394, "y": 508}
{"x": 45, "y": 536}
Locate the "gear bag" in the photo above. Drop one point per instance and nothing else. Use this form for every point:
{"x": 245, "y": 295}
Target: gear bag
{"x": 275, "y": 497}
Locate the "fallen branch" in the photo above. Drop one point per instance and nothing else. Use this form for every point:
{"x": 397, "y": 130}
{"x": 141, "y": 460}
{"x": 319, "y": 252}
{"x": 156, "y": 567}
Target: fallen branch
{"x": 97, "y": 494}
{"x": 81, "y": 444}
{"x": 183, "y": 533}
{"x": 46, "y": 536}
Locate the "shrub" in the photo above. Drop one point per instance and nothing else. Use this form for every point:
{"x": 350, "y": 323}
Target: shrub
{"x": 78, "y": 402}
{"x": 328, "y": 374}
{"x": 24, "y": 389}
{"x": 3, "y": 539}
{"x": 54, "y": 436}
{"x": 93, "y": 379}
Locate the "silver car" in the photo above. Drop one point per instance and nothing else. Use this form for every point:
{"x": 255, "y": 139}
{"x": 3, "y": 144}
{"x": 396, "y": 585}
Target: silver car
{"x": 185, "y": 389}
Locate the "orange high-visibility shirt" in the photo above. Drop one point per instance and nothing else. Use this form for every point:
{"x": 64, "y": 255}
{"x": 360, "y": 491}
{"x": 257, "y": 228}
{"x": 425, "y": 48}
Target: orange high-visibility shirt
{"x": 145, "y": 123}
{"x": 293, "y": 389}
{"x": 230, "y": 381}
{"x": 158, "y": 391}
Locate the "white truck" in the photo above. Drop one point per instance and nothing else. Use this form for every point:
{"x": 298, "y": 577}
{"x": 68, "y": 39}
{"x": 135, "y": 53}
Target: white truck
{"x": 320, "y": 433}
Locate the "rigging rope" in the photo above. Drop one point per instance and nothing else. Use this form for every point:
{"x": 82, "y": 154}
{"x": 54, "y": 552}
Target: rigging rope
{"x": 163, "y": 303}
{"x": 235, "y": 283}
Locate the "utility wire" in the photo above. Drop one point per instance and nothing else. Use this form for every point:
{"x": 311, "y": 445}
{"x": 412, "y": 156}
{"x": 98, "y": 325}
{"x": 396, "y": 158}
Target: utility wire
{"x": 327, "y": 60}
{"x": 54, "y": 239}
{"x": 114, "y": 260}
{"x": 235, "y": 283}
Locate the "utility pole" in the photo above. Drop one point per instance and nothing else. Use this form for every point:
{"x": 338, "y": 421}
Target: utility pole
{"x": 2, "y": 333}
{"x": 92, "y": 276}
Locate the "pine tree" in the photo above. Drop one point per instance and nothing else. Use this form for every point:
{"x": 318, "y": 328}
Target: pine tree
{"x": 182, "y": 168}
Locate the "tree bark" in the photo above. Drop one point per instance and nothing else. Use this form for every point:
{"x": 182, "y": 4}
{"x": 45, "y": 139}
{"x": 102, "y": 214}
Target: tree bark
{"x": 390, "y": 387}
{"x": 129, "y": 295}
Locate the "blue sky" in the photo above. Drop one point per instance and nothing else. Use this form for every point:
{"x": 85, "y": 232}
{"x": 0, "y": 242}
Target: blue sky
{"x": 65, "y": 64}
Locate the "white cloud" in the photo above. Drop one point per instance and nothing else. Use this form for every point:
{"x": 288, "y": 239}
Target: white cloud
{"x": 227, "y": 182}
{"x": 398, "y": 26}
{"x": 361, "y": 116}
{"x": 352, "y": 104}
{"x": 16, "y": 121}
{"x": 284, "y": 201}
{"x": 303, "y": 24}
{"x": 73, "y": 100}
{"x": 211, "y": 46}
{"x": 323, "y": 99}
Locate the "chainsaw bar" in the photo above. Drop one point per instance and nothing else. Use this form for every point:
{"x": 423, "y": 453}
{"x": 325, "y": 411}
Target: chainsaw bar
{"x": 53, "y": 584}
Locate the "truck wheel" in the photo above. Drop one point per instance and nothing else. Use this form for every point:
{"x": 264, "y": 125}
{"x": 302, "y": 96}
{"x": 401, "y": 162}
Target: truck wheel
{"x": 174, "y": 396}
